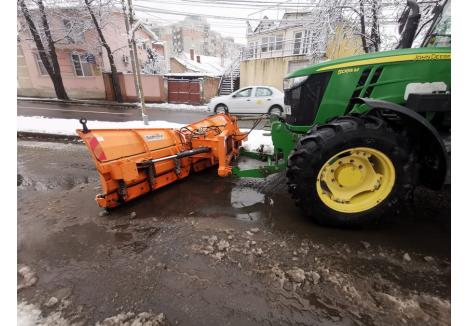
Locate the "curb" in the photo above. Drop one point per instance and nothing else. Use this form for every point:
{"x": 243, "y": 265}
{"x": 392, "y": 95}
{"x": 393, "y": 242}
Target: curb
{"x": 50, "y": 137}
{"x": 77, "y": 102}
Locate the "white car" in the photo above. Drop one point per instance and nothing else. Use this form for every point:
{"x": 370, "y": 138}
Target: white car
{"x": 251, "y": 99}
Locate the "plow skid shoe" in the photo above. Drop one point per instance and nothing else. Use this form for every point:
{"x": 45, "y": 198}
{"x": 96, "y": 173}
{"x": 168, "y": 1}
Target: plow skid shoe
{"x": 132, "y": 162}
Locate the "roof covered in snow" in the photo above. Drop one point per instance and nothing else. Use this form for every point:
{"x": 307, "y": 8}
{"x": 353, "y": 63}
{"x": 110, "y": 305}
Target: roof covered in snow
{"x": 208, "y": 66}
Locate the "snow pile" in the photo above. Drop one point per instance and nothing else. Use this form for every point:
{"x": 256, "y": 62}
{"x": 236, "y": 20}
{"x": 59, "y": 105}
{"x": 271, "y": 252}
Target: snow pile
{"x": 31, "y": 315}
{"x": 27, "y": 314}
{"x": 178, "y": 107}
{"x": 130, "y": 318}
{"x": 67, "y": 127}
{"x": 26, "y": 277}
{"x": 257, "y": 138}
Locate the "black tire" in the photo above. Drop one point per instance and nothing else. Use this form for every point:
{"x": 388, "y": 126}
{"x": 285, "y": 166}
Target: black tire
{"x": 323, "y": 142}
{"x": 221, "y": 108}
{"x": 275, "y": 108}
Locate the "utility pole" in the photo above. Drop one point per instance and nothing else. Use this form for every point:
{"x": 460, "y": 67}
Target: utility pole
{"x": 129, "y": 25}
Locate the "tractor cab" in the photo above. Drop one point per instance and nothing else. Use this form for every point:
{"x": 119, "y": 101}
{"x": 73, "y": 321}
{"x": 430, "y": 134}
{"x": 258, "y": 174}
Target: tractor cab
{"x": 439, "y": 34}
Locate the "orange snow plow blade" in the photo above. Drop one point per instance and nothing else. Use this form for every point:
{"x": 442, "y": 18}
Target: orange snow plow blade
{"x": 132, "y": 162}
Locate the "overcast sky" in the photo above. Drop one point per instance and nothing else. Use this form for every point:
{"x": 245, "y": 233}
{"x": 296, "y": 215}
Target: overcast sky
{"x": 254, "y": 10}
{"x": 239, "y": 10}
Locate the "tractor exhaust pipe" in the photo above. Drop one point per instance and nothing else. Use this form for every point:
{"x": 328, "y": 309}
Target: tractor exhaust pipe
{"x": 408, "y": 24}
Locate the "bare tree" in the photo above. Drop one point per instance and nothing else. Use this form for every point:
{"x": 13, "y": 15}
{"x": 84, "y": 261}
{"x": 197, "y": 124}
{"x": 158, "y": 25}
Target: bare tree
{"x": 46, "y": 47}
{"x": 155, "y": 64}
{"x": 361, "y": 18}
{"x": 375, "y": 31}
{"x": 99, "y": 5}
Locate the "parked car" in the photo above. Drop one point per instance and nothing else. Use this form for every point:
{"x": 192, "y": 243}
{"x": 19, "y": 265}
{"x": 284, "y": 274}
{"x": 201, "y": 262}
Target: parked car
{"x": 251, "y": 99}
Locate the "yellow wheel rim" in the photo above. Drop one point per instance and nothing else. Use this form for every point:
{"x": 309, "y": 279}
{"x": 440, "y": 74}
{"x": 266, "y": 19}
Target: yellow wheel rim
{"x": 355, "y": 180}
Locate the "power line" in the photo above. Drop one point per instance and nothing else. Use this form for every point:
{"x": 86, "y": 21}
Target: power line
{"x": 182, "y": 13}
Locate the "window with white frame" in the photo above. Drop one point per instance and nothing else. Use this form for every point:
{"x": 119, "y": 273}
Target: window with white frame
{"x": 40, "y": 65}
{"x": 271, "y": 45}
{"x": 264, "y": 44}
{"x": 297, "y": 42}
{"x": 251, "y": 49}
{"x": 306, "y": 42}
{"x": 279, "y": 42}
{"x": 82, "y": 64}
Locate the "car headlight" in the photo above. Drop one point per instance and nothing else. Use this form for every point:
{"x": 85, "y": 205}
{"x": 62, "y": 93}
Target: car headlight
{"x": 293, "y": 82}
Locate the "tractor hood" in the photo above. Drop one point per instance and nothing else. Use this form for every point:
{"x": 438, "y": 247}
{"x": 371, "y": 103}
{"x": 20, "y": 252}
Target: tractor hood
{"x": 430, "y": 53}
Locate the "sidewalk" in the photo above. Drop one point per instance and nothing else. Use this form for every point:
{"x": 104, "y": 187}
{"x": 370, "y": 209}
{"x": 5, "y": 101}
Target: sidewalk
{"x": 75, "y": 101}
{"x": 65, "y": 129}
{"x": 168, "y": 106}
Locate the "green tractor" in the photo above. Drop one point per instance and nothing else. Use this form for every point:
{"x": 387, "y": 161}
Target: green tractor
{"x": 359, "y": 133}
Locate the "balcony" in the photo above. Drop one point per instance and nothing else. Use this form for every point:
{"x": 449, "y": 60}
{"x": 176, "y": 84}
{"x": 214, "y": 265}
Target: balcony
{"x": 278, "y": 49}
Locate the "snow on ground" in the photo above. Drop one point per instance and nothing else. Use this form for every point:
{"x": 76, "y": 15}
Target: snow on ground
{"x": 67, "y": 127}
{"x": 178, "y": 107}
{"x": 163, "y": 106}
{"x": 31, "y": 315}
{"x": 257, "y": 138}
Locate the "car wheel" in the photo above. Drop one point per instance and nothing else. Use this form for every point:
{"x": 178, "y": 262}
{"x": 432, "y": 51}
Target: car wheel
{"x": 221, "y": 108}
{"x": 276, "y": 110}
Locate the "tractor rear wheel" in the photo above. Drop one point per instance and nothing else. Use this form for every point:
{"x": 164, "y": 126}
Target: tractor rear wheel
{"x": 351, "y": 171}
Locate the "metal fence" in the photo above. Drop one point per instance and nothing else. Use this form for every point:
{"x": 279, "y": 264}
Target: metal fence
{"x": 299, "y": 46}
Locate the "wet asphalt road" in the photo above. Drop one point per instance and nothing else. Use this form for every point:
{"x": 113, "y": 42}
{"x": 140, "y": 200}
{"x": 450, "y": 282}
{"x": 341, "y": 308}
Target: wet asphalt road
{"x": 102, "y": 113}
{"x": 117, "y": 114}
{"x": 166, "y": 260}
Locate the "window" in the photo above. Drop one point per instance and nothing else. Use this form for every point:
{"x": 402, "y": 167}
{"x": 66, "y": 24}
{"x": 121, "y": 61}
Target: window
{"x": 279, "y": 42}
{"x": 244, "y": 93}
{"x": 250, "y": 52}
{"x": 262, "y": 91}
{"x": 297, "y": 43}
{"x": 264, "y": 44}
{"x": 271, "y": 46}
{"x": 83, "y": 64}
{"x": 306, "y": 42}
{"x": 40, "y": 65}
{"x": 441, "y": 36}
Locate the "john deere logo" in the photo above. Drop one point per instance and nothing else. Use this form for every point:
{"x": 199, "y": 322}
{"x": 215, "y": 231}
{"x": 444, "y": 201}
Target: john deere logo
{"x": 433, "y": 56}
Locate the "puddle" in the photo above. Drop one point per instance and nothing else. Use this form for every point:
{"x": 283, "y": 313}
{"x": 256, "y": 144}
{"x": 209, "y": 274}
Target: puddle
{"x": 66, "y": 182}
{"x": 243, "y": 197}
{"x": 123, "y": 236}
{"x": 80, "y": 242}
{"x": 248, "y": 202}
{"x": 19, "y": 179}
